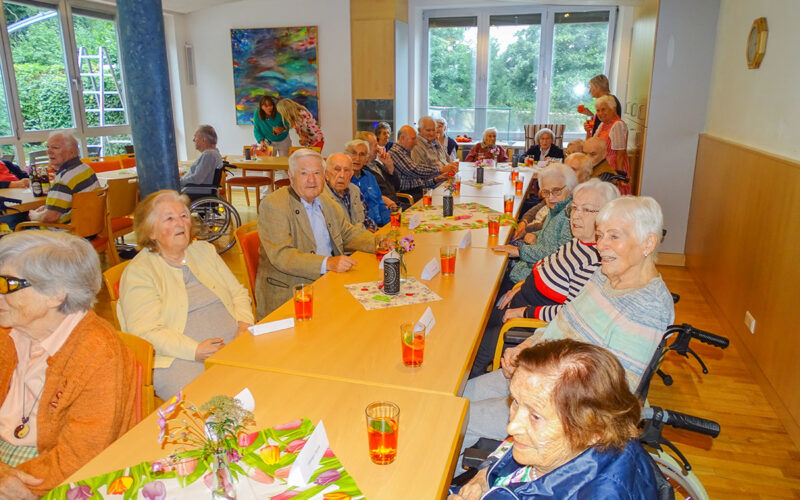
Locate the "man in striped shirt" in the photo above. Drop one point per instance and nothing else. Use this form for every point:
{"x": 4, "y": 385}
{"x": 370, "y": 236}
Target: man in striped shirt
{"x": 414, "y": 176}
{"x": 72, "y": 177}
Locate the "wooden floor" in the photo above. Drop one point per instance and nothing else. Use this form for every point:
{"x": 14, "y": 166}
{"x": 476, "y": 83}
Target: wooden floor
{"x": 753, "y": 458}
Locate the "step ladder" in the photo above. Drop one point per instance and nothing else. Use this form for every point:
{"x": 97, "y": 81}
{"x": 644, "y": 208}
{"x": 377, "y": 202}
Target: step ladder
{"x": 96, "y": 70}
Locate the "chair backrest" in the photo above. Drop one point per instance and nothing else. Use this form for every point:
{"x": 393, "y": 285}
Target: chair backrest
{"x": 557, "y": 128}
{"x": 145, "y": 356}
{"x": 38, "y": 158}
{"x": 111, "y": 278}
{"x": 123, "y": 195}
{"x": 127, "y": 162}
{"x": 247, "y": 237}
{"x": 90, "y": 213}
{"x": 104, "y": 165}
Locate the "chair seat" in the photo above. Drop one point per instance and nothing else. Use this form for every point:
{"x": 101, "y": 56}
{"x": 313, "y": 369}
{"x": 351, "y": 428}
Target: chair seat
{"x": 99, "y": 243}
{"x": 120, "y": 223}
{"x": 249, "y": 181}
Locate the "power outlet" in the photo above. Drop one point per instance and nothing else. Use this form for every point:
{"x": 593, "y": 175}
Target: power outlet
{"x": 750, "y": 322}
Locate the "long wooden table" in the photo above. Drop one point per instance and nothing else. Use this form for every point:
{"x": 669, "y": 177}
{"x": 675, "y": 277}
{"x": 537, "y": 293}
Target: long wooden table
{"x": 29, "y": 202}
{"x": 430, "y": 433}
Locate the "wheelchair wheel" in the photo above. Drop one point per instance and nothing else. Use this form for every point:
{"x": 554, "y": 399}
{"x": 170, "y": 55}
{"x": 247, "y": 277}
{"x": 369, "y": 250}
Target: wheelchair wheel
{"x": 685, "y": 484}
{"x": 217, "y": 220}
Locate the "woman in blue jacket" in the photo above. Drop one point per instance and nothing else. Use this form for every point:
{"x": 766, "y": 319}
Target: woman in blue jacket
{"x": 574, "y": 427}
{"x": 270, "y": 128}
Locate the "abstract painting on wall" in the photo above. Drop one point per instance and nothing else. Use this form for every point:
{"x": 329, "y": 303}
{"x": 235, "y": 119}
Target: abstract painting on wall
{"x": 281, "y": 62}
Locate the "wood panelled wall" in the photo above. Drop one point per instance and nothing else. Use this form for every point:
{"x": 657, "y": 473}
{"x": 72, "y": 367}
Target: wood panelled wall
{"x": 743, "y": 248}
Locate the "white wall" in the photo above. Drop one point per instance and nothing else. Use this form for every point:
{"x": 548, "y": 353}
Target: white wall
{"x": 212, "y": 99}
{"x": 757, "y": 107}
{"x": 678, "y": 98}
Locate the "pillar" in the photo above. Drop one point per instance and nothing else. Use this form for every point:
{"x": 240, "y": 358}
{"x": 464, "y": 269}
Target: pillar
{"x": 146, "y": 75}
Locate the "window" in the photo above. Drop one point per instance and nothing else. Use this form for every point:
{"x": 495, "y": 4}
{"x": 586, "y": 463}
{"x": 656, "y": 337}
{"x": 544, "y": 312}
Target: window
{"x": 49, "y": 43}
{"x": 529, "y": 65}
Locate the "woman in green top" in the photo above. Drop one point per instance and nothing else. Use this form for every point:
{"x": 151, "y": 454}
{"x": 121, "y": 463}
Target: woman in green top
{"x": 270, "y": 128}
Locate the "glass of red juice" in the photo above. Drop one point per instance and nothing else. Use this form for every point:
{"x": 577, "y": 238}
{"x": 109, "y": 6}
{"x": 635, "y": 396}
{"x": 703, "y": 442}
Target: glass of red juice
{"x": 518, "y": 184}
{"x": 412, "y": 341}
{"x": 303, "y": 301}
{"x": 383, "y": 424}
{"x": 508, "y": 204}
{"x": 494, "y": 225}
{"x": 448, "y": 255}
{"x": 395, "y": 218}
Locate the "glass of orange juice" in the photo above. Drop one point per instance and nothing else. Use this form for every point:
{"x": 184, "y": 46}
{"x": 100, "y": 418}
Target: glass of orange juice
{"x": 427, "y": 197}
{"x": 382, "y": 243}
{"x": 518, "y": 184}
{"x": 395, "y": 218}
{"x": 494, "y": 225}
{"x": 448, "y": 255}
{"x": 508, "y": 203}
{"x": 383, "y": 424}
{"x": 457, "y": 184}
{"x": 412, "y": 340}
{"x": 303, "y": 301}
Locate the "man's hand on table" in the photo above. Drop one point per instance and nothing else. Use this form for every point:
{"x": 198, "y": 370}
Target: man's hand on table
{"x": 340, "y": 264}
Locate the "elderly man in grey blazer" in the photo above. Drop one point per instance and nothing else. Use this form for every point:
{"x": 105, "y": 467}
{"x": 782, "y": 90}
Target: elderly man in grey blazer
{"x": 303, "y": 234}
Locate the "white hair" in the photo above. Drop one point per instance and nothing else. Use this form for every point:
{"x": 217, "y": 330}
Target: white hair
{"x": 55, "y": 263}
{"x": 298, "y": 155}
{"x": 562, "y": 172}
{"x": 606, "y": 100}
{"x": 584, "y": 162}
{"x": 351, "y": 145}
{"x": 544, "y": 131}
{"x": 643, "y": 213}
{"x": 606, "y": 190}
{"x": 69, "y": 139}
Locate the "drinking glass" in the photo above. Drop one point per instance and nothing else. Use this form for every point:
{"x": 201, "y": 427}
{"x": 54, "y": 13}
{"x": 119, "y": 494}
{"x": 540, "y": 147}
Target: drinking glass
{"x": 381, "y": 246}
{"x": 383, "y": 424}
{"x": 494, "y": 225}
{"x": 457, "y": 184}
{"x": 412, "y": 343}
{"x": 427, "y": 197}
{"x": 518, "y": 185}
{"x": 448, "y": 255}
{"x": 395, "y": 217}
{"x": 508, "y": 203}
{"x": 303, "y": 301}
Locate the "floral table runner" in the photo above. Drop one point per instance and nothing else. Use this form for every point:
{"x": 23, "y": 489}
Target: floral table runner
{"x": 259, "y": 463}
{"x": 371, "y": 296}
{"x": 465, "y": 216}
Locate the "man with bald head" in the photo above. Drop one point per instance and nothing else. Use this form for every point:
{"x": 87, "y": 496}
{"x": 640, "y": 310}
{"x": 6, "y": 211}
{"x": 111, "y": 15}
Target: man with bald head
{"x": 596, "y": 149}
{"x": 428, "y": 150}
{"x": 72, "y": 177}
{"x": 303, "y": 234}
{"x": 338, "y": 174}
{"x": 414, "y": 177}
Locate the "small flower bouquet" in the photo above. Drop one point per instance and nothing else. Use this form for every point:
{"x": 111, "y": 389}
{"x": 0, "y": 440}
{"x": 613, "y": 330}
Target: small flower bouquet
{"x": 402, "y": 245}
{"x": 208, "y": 433}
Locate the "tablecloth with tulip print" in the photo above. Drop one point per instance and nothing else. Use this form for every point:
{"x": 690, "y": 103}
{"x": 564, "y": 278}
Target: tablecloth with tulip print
{"x": 260, "y": 462}
{"x": 465, "y": 216}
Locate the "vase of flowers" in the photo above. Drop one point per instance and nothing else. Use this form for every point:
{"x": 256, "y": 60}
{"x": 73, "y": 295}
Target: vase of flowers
{"x": 207, "y": 434}
{"x": 402, "y": 245}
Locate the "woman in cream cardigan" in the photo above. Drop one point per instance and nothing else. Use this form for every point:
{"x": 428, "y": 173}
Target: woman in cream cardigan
{"x": 178, "y": 294}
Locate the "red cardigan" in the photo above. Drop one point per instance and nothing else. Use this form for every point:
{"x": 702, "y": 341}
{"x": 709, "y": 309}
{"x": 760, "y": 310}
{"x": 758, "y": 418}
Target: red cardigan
{"x": 87, "y": 401}
{"x": 478, "y": 152}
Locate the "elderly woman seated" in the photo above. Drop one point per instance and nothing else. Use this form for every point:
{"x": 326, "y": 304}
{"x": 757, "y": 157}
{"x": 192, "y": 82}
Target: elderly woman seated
{"x": 178, "y": 294}
{"x": 573, "y": 427}
{"x": 557, "y": 278}
{"x": 557, "y": 182}
{"x": 544, "y": 147}
{"x": 488, "y": 148}
{"x": 574, "y": 146}
{"x": 67, "y": 383}
{"x": 625, "y": 307}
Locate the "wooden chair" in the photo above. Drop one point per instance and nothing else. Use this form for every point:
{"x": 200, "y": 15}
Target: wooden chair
{"x": 104, "y": 165}
{"x": 123, "y": 196}
{"x": 245, "y": 182}
{"x": 128, "y": 162}
{"x": 145, "y": 358}
{"x": 557, "y": 128}
{"x": 89, "y": 218}
{"x": 282, "y": 182}
{"x": 111, "y": 278}
{"x": 38, "y": 159}
{"x": 247, "y": 238}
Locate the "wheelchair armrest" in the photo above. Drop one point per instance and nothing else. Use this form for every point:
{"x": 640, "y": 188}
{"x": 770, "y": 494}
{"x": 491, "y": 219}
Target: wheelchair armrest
{"x": 514, "y": 338}
{"x": 476, "y": 454}
{"x": 407, "y": 197}
{"x": 43, "y": 225}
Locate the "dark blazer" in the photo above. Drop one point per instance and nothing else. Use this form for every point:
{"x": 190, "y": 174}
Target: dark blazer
{"x": 536, "y": 152}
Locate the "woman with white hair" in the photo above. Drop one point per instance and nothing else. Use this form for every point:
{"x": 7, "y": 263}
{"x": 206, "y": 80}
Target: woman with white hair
{"x": 598, "y": 87}
{"x": 557, "y": 278}
{"x": 581, "y": 164}
{"x": 178, "y": 294}
{"x": 488, "y": 148}
{"x": 625, "y": 307}
{"x": 448, "y": 143}
{"x": 615, "y": 133}
{"x": 544, "y": 147}
{"x": 67, "y": 382}
{"x": 557, "y": 182}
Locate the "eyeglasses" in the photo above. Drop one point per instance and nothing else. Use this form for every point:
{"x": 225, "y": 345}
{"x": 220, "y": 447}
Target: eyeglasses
{"x": 545, "y": 193}
{"x": 572, "y": 209}
{"x": 10, "y": 284}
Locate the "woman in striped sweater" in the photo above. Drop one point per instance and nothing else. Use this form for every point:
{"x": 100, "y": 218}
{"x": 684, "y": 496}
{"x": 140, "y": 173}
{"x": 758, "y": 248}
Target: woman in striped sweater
{"x": 556, "y": 278}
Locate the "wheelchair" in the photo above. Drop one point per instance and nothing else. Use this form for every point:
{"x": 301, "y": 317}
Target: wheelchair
{"x": 676, "y": 479}
{"x": 215, "y": 219}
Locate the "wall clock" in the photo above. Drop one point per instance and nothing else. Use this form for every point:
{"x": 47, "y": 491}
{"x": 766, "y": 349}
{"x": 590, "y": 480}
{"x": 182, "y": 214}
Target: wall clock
{"x": 757, "y": 43}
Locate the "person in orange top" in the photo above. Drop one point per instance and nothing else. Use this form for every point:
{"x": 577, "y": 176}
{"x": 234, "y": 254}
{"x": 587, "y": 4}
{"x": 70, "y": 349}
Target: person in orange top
{"x": 614, "y": 131}
{"x": 67, "y": 383}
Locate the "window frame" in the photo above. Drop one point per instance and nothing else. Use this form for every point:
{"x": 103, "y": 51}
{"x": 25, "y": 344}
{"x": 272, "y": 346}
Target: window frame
{"x": 82, "y": 131}
{"x": 548, "y": 13}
